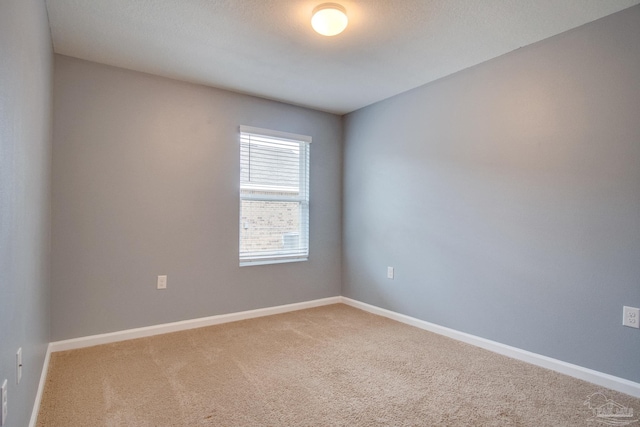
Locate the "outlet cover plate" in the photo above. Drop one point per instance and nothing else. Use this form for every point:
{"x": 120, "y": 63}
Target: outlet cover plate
{"x": 19, "y": 365}
{"x": 390, "y": 272}
{"x": 631, "y": 317}
{"x": 162, "y": 282}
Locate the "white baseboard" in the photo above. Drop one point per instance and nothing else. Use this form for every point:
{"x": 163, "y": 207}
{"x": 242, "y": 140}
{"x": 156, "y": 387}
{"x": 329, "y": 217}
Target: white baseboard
{"x": 43, "y": 380}
{"x": 148, "y": 331}
{"x": 162, "y": 329}
{"x": 604, "y": 380}
{"x": 599, "y": 378}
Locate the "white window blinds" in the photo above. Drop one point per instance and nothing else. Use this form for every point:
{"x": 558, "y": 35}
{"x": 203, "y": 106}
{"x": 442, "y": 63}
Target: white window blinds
{"x": 274, "y": 196}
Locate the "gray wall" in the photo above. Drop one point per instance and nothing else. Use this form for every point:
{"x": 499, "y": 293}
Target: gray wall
{"x": 507, "y": 196}
{"x": 26, "y": 69}
{"x": 145, "y": 182}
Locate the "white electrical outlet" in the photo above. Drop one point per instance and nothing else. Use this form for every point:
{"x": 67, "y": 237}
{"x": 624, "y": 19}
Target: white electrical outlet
{"x": 19, "y": 365}
{"x": 3, "y": 417}
{"x": 631, "y": 317}
{"x": 162, "y": 282}
{"x": 390, "y": 272}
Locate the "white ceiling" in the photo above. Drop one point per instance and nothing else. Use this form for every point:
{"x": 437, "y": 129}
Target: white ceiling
{"x": 267, "y": 47}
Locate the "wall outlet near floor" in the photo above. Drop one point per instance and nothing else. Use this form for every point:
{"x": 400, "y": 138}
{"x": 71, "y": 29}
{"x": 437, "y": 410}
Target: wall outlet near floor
{"x": 162, "y": 282}
{"x": 5, "y": 409}
{"x": 390, "y": 272}
{"x": 631, "y": 317}
{"x": 19, "y": 365}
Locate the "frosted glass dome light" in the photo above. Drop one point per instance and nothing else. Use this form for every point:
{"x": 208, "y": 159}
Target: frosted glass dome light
{"x": 329, "y": 19}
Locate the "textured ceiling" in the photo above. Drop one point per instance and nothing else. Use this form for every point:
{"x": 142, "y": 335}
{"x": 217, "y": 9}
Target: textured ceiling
{"x": 267, "y": 47}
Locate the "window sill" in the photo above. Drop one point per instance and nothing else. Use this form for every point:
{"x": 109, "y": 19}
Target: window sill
{"x": 271, "y": 261}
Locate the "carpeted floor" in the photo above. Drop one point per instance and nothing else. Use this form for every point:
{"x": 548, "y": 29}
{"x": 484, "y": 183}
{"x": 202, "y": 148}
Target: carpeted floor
{"x": 327, "y": 366}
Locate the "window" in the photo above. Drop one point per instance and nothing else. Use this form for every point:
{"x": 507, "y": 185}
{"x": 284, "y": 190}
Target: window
{"x": 274, "y": 196}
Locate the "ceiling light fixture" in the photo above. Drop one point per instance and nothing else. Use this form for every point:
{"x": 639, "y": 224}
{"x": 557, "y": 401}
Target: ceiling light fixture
{"x": 329, "y": 19}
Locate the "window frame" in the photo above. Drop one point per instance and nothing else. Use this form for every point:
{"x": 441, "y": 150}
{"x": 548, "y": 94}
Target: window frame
{"x": 282, "y": 256}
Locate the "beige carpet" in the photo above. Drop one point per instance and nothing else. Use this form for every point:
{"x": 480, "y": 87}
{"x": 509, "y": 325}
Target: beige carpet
{"x": 327, "y": 366}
